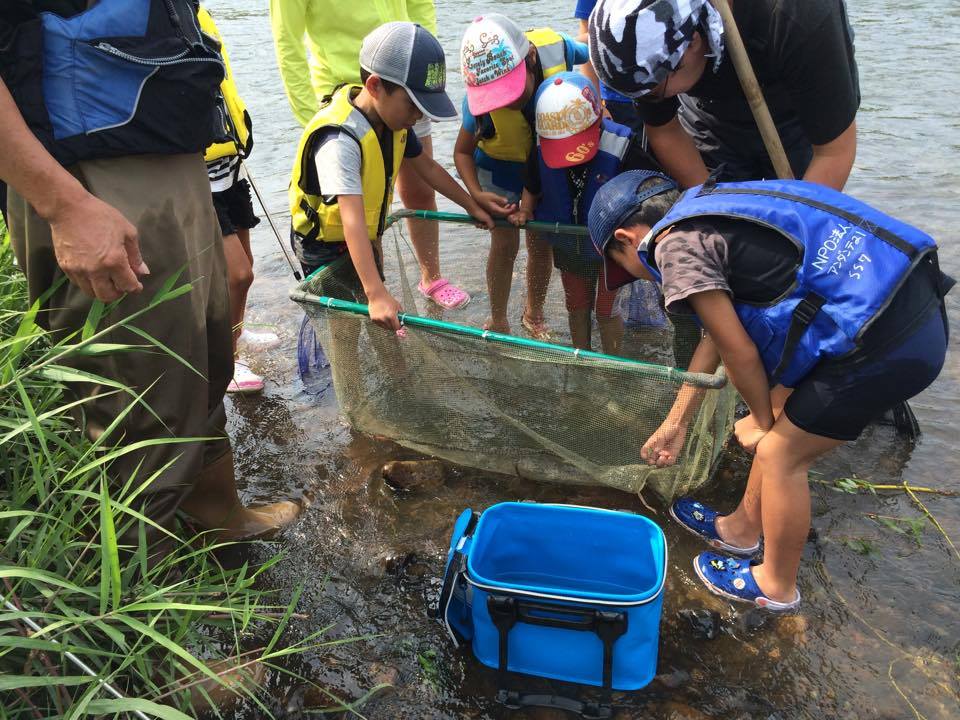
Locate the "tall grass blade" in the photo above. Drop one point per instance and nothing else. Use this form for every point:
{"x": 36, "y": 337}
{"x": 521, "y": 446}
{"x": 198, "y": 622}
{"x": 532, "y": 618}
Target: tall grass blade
{"x": 110, "y": 560}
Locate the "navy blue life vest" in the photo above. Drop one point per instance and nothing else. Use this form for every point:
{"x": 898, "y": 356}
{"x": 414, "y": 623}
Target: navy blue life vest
{"x": 125, "y": 77}
{"x": 854, "y": 259}
{"x": 556, "y": 203}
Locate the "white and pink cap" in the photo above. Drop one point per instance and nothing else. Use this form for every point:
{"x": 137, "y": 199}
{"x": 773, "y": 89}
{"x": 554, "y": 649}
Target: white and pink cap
{"x": 568, "y": 118}
{"x": 492, "y": 62}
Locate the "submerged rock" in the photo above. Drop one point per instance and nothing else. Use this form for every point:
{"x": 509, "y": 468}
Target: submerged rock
{"x": 405, "y": 475}
{"x": 705, "y": 624}
{"x": 752, "y": 619}
{"x": 793, "y": 628}
{"x": 673, "y": 710}
{"x": 236, "y": 683}
{"x": 306, "y": 699}
{"x": 674, "y": 679}
{"x": 396, "y": 563}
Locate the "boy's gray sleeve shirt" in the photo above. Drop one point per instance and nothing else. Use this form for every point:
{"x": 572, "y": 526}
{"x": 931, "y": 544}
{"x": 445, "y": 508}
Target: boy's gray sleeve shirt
{"x": 691, "y": 261}
{"x": 338, "y": 163}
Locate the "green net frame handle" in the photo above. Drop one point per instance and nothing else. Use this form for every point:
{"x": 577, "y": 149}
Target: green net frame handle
{"x": 700, "y": 380}
{"x": 468, "y": 220}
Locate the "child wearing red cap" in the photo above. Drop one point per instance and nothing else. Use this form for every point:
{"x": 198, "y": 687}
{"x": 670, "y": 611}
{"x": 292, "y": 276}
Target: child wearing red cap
{"x": 577, "y": 152}
{"x": 502, "y": 67}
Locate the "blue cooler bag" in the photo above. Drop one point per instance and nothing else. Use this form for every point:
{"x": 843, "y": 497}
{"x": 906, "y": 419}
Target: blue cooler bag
{"x": 557, "y": 591}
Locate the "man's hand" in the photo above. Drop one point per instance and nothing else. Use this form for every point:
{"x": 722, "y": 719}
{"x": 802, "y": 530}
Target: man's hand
{"x": 494, "y": 204}
{"x": 383, "y": 310}
{"x": 749, "y": 433}
{"x": 97, "y": 248}
{"x": 520, "y": 217}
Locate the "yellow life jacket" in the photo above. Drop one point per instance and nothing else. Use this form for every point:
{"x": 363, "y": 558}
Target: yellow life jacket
{"x": 512, "y": 135}
{"x": 312, "y": 218}
{"x": 233, "y": 122}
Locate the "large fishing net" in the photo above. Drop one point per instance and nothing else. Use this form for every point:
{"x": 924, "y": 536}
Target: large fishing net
{"x": 508, "y": 403}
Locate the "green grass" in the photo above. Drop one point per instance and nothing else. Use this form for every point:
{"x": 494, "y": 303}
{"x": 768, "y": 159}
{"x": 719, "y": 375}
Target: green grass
{"x": 151, "y": 632}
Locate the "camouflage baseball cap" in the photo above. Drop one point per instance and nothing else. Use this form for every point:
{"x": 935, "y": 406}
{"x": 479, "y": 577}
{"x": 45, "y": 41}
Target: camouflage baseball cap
{"x": 635, "y": 44}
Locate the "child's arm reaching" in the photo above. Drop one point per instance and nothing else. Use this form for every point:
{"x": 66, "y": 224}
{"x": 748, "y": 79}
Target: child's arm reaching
{"x": 741, "y": 360}
{"x": 664, "y": 445}
{"x": 467, "y": 168}
{"x": 383, "y": 306}
{"x": 440, "y": 180}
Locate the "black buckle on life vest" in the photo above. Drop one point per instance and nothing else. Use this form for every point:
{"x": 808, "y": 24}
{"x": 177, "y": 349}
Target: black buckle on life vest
{"x": 712, "y": 179}
{"x": 803, "y": 314}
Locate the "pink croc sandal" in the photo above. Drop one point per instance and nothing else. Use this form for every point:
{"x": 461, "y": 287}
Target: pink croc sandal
{"x": 444, "y": 294}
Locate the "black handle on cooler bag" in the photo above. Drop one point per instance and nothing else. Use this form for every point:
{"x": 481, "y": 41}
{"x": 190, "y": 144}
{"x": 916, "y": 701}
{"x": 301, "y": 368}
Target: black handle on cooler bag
{"x": 515, "y": 700}
{"x": 506, "y": 611}
{"x": 454, "y": 568}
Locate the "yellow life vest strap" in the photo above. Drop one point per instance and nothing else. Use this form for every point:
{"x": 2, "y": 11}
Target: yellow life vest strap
{"x": 513, "y": 137}
{"x": 235, "y": 124}
{"x": 551, "y": 49}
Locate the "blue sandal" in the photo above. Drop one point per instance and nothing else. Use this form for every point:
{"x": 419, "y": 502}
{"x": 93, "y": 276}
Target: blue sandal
{"x": 701, "y": 521}
{"x": 732, "y": 578}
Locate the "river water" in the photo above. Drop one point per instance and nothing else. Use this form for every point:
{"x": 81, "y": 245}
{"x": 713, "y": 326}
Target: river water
{"x": 879, "y": 634}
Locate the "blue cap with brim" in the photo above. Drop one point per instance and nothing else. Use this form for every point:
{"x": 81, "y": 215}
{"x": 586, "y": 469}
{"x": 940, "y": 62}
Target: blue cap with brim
{"x": 614, "y": 202}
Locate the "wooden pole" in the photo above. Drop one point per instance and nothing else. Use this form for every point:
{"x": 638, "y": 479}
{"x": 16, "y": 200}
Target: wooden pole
{"x": 751, "y": 88}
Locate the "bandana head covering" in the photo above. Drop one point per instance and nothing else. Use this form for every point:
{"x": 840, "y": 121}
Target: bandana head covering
{"x": 633, "y": 49}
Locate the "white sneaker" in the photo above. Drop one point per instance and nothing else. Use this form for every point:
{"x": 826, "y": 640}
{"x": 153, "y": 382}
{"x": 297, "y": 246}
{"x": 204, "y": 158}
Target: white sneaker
{"x": 258, "y": 340}
{"x": 244, "y": 379}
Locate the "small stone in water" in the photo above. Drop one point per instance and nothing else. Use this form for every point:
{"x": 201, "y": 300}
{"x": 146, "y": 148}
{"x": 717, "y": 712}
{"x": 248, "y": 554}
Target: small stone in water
{"x": 674, "y": 679}
{"x": 753, "y": 619}
{"x": 395, "y": 564}
{"x": 413, "y": 474}
{"x": 705, "y": 624}
{"x": 793, "y": 628}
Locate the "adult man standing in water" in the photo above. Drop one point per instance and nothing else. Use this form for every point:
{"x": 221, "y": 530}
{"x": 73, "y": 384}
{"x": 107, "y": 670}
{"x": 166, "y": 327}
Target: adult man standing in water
{"x": 334, "y": 32}
{"x": 670, "y": 56}
{"x": 108, "y": 201}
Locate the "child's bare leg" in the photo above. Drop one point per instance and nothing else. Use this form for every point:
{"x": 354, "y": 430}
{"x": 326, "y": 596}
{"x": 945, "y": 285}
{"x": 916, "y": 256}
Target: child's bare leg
{"x": 578, "y": 300}
{"x": 504, "y": 244}
{"x": 539, "y": 268}
{"x": 785, "y": 454}
{"x": 240, "y": 277}
{"x": 611, "y": 334}
{"x": 580, "y": 328}
{"x": 424, "y": 234}
{"x": 611, "y": 326}
{"x": 742, "y": 527}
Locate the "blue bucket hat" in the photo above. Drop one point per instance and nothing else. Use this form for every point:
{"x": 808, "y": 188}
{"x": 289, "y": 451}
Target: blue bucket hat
{"x": 614, "y": 202}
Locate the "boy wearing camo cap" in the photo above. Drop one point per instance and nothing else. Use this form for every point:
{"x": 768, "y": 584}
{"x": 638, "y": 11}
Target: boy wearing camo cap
{"x": 672, "y": 58}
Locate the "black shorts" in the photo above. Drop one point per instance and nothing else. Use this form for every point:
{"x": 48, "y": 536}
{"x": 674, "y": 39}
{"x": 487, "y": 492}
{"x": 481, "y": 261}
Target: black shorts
{"x": 838, "y": 400}
{"x": 235, "y": 208}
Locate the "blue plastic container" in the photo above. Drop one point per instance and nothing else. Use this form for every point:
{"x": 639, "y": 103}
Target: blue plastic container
{"x": 558, "y": 591}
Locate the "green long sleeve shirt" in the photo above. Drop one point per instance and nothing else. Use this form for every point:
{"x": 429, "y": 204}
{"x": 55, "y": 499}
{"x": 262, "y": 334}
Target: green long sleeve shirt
{"x": 318, "y": 42}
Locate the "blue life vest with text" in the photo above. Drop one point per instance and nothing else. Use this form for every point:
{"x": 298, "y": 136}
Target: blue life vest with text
{"x": 125, "y": 77}
{"x": 557, "y": 203}
{"x": 853, "y": 260}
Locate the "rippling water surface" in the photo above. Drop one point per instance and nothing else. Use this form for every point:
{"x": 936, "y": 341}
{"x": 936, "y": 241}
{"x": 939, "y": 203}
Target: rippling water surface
{"x": 879, "y": 635}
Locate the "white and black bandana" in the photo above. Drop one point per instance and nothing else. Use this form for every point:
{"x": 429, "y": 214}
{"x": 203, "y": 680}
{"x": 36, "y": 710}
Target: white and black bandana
{"x": 633, "y": 49}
